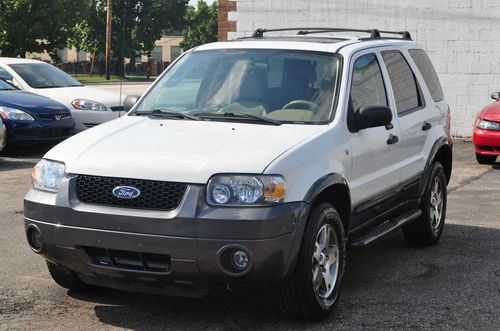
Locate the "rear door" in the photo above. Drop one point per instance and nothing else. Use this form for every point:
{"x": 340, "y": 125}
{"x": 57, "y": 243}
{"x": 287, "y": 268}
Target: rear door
{"x": 412, "y": 113}
{"x": 375, "y": 171}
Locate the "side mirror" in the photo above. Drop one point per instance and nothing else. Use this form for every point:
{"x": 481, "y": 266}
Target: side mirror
{"x": 129, "y": 102}
{"x": 495, "y": 95}
{"x": 373, "y": 116}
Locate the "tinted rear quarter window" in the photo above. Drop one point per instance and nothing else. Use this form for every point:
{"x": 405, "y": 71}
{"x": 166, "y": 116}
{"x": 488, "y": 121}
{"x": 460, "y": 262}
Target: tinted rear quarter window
{"x": 404, "y": 84}
{"x": 428, "y": 72}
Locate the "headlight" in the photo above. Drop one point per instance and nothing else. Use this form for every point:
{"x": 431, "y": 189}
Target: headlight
{"x": 15, "y": 114}
{"x": 47, "y": 175}
{"x": 238, "y": 190}
{"x": 487, "y": 125}
{"x": 88, "y": 105}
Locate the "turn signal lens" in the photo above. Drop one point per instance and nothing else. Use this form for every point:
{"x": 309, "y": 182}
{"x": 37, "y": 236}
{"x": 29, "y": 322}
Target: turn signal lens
{"x": 274, "y": 188}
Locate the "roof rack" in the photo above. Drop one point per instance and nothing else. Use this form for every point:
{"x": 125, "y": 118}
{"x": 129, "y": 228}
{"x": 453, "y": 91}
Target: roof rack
{"x": 374, "y": 33}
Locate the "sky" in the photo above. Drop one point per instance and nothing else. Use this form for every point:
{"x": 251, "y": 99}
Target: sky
{"x": 194, "y": 2}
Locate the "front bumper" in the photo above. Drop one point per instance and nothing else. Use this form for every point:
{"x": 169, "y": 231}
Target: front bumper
{"x": 39, "y": 131}
{"x": 86, "y": 119}
{"x": 486, "y": 142}
{"x": 188, "y": 242}
{"x": 3, "y": 135}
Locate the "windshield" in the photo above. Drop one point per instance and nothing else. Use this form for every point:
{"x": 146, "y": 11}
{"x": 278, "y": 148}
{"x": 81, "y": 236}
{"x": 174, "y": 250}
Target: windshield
{"x": 281, "y": 85}
{"x": 5, "y": 86}
{"x": 43, "y": 75}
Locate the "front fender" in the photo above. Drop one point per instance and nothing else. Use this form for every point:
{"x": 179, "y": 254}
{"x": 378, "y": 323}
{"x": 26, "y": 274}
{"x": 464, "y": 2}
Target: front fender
{"x": 306, "y": 163}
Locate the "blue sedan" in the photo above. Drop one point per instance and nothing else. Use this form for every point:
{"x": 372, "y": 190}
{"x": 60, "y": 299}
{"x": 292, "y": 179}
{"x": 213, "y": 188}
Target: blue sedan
{"x": 29, "y": 118}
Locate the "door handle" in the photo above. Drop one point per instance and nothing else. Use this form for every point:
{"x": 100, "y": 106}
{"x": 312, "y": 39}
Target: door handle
{"x": 426, "y": 126}
{"x": 392, "y": 139}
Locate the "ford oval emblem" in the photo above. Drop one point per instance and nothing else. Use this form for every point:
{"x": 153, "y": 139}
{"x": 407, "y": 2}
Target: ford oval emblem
{"x": 126, "y": 192}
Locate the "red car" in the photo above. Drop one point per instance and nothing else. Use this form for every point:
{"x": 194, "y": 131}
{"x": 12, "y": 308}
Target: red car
{"x": 486, "y": 137}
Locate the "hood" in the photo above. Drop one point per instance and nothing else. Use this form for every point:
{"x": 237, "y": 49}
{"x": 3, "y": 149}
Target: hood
{"x": 177, "y": 150}
{"x": 491, "y": 112}
{"x": 31, "y": 103}
{"x": 67, "y": 95}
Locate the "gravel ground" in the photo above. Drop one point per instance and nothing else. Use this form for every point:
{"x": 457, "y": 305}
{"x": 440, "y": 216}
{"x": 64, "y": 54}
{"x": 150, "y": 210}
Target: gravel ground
{"x": 390, "y": 285}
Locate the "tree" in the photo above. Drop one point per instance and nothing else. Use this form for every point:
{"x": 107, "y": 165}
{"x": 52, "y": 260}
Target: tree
{"x": 136, "y": 25}
{"x": 201, "y": 25}
{"x": 37, "y": 26}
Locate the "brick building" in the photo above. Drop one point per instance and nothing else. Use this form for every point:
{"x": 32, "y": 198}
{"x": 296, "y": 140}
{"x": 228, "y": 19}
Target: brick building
{"x": 462, "y": 37}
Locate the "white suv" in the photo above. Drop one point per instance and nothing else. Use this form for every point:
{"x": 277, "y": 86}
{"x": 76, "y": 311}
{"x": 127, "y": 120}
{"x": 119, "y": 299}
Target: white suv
{"x": 257, "y": 160}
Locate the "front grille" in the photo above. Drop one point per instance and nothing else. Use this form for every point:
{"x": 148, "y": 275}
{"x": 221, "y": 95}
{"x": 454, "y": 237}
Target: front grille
{"x": 53, "y": 132}
{"x": 155, "y": 195}
{"x": 117, "y": 108}
{"x": 53, "y": 116}
{"x": 490, "y": 148}
{"x": 128, "y": 260}
{"x": 44, "y": 132}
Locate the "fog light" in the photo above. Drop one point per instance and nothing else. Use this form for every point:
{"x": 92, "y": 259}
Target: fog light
{"x": 34, "y": 238}
{"x": 240, "y": 260}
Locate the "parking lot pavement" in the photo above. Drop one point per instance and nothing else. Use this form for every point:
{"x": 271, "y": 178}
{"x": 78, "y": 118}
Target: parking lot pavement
{"x": 453, "y": 285}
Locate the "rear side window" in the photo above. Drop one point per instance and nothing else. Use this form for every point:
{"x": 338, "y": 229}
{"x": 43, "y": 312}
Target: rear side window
{"x": 404, "y": 84}
{"x": 428, "y": 72}
{"x": 367, "y": 84}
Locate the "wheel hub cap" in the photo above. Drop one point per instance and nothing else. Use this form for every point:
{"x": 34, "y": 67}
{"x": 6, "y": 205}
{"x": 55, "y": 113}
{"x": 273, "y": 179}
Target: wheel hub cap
{"x": 436, "y": 204}
{"x": 325, "y": 261}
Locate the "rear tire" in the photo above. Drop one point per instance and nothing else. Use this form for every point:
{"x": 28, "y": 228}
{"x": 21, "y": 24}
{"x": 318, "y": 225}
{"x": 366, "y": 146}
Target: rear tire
{"x": 66, "y": 278}
{"x": 485, "y": 159}
{"x": 313, "y": 290}
{"x": 427, "y": 229}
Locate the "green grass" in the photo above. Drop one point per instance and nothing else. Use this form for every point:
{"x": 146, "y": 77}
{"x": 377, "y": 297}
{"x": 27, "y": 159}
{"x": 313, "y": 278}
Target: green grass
{"x": 101, "y": 79}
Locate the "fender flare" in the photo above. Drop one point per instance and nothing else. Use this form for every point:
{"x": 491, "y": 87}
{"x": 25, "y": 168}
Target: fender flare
{"x": 312, "y": 194}
{"x": 443, "y": 141}
{"x": 321, "y": 184}
{"x": 325, "y": 182}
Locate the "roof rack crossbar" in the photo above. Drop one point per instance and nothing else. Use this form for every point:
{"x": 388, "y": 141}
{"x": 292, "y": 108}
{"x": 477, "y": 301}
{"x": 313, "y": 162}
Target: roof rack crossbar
{"x": 374, "y": 33}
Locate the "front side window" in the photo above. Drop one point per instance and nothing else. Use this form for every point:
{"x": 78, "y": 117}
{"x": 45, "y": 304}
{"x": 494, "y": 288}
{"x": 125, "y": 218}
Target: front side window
{"x": 284, "y": 86}
{"x": 367, "y": 88}
{"x": 404, "y": 84}
{"x": 43, "y": 75}
{"x": 428, "y": 72}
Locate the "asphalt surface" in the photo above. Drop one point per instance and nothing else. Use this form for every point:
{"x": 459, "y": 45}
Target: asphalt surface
{"x": 389, "y": 285}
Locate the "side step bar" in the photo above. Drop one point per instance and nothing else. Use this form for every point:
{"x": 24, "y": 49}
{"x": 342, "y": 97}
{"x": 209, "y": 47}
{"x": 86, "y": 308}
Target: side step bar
{"x": 385, "y": 228}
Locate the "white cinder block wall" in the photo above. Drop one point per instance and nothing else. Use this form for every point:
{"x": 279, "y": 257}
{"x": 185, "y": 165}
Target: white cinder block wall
{"x": 462, "y": 37}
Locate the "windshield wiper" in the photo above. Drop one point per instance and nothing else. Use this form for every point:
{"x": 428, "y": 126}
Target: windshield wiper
{"x": 49, "y": 86}
{"x": 10, "y": 85}
{"x": 240, "y": 115}
{"x": 164, "y": 113}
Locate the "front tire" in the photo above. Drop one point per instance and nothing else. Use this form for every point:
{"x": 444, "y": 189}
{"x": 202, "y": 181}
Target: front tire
{"x": 485, "y": 159}
{"x": 427, "y": 229}
{"x": 313, "y": 289}
{"x": 66, "y": 278}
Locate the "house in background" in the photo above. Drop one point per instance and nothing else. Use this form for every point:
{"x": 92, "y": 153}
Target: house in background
{"x": 166, "y": 50}
{"x": 461, "y": 37}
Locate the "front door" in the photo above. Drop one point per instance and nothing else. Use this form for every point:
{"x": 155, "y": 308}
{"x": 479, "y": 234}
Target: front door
{"x": 375, "y": 151}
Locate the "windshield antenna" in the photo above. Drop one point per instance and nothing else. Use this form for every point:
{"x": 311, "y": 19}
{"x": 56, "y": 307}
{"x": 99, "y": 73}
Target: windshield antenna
{"x": 123, "y": 56}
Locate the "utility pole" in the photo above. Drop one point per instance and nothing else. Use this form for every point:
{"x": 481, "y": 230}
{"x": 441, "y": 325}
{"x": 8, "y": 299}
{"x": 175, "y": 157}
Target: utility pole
{"x": 108, "y": 38}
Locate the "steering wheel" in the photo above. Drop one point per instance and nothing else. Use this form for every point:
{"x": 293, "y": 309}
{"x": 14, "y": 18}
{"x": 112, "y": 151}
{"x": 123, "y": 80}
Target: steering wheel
{"x": 310, "y": 105}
